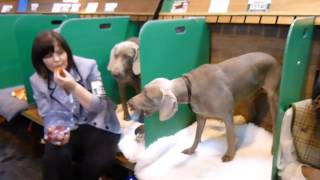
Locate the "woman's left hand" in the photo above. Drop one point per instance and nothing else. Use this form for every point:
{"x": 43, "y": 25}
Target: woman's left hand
{"x": 56, "y": 135}
{"x": 64, "y": 79}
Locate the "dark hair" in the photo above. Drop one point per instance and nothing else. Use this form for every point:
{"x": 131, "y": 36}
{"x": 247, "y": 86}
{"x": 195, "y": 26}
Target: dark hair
{"x": 42, "y": 45}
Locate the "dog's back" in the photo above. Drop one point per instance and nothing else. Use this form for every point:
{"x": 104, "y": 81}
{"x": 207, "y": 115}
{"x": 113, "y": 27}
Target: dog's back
{"x": 233, "y": 80}
{"x": 248, "y": 73}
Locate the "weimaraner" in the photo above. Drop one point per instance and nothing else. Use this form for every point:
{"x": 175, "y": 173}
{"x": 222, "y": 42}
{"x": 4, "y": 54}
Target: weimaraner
{"x": 124, "y": 65}
{"x": 213, "y": 90}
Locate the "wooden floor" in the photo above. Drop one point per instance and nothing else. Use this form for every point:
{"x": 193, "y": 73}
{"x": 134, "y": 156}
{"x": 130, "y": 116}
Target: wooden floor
{"x": 20, "y": 159}
{"x": 20, "y": 152}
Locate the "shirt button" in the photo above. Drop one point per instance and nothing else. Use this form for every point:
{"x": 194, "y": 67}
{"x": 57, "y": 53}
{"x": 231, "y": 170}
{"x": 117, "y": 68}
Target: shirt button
{"x": 95, "y": 123}
{"x": 107, "y": 127}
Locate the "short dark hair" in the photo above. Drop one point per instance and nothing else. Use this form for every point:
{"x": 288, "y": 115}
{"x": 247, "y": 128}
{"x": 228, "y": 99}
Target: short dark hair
{"x": 42, "y": 45}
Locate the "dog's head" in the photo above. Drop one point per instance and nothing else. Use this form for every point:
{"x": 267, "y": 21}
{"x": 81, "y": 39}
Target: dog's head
{"x": 156, "y": 96}
{"x": 124, "y": 59}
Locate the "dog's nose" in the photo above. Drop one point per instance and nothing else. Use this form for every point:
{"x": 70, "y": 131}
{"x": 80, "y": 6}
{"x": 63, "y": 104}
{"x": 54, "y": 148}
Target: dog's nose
{"x": 116, "y": 74}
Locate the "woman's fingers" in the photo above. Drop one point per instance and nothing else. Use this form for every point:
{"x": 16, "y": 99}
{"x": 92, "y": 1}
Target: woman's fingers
{"x": 56, "y": 136}
{"x": 66, "y": 81}
{"x": 66, "y": 138}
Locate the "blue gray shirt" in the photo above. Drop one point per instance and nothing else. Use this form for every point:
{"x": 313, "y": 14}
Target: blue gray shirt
{"x": 51, "y": 98}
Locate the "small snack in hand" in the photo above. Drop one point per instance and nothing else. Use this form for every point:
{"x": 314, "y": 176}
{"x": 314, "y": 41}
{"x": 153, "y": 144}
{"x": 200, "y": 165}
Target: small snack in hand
{"x": 55, "y": 135}
{"x": 59, "y": 70}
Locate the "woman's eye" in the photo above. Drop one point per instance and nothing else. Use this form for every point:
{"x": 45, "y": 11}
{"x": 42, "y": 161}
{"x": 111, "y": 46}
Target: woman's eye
{"x": 49, "y": 55}
{"x": 60, "y": 52}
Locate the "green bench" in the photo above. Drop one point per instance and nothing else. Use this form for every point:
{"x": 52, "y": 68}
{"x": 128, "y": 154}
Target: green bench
{"x": 294, "y": 72}
{"x": 170, "y": 48}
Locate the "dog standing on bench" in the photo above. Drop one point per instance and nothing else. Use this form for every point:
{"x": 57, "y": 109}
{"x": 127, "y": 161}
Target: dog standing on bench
{"x": 124, "y": 65}
{"x": 213, "y": 90}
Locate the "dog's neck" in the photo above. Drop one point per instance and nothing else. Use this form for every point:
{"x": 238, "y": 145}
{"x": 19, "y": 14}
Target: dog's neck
{"x": 180, "y": 90}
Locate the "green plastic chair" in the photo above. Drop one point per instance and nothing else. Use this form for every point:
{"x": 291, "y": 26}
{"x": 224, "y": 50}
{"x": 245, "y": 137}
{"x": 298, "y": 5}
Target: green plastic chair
{"x": 27, "y": 27}
{"x": 170, "y": 48}
{"x": 10, "y": 65}
{"x": 294, "y": 72}
{"x": 94, "y": 38}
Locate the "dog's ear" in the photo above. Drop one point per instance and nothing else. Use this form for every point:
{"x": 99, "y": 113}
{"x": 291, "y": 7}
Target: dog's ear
{"x": 112, "y": 58}
{"x": 136, "y": 61}
{"x": 168, "y": 106}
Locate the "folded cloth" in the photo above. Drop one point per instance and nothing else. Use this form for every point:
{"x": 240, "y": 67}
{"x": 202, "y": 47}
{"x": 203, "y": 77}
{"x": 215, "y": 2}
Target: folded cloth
{"x": 9, "y": 105}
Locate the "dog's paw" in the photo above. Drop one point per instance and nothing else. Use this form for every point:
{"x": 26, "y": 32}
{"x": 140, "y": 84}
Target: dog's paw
{"x": 188, "y": 151}
{"x": 227, "y": 158}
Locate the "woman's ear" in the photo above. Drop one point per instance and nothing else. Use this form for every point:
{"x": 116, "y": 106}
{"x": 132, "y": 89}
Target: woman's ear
{"x": 136, "y": 61}
{"x": 168, "y": 106}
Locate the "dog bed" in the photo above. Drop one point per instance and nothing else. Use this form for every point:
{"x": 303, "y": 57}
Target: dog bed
{"x": 163, "y": 159}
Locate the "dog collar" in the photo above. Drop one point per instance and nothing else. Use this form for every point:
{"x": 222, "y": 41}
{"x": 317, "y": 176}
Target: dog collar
{"x": 188, "y": 86}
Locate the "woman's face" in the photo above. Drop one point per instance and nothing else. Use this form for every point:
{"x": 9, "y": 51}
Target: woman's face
{"x": 58, "y": 58}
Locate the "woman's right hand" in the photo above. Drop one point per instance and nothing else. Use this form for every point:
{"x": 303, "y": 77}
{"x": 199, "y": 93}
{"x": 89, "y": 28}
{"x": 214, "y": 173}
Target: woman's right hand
{"x": 64, "y": 79}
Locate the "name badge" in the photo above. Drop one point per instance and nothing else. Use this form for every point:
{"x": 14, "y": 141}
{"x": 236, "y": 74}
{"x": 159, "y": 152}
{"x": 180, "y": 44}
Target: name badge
{"x": 98, "y": 89}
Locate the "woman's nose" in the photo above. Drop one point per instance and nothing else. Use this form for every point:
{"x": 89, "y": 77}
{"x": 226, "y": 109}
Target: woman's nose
{"x": 56, "y": 57}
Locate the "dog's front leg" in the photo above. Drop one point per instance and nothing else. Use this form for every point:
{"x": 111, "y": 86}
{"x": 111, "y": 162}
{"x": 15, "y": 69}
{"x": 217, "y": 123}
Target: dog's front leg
{"x": 201, "y": 121}
{"x": 122, "y": 89}
{"x": 231, "y": 149}
{"x": 136, "y": 86}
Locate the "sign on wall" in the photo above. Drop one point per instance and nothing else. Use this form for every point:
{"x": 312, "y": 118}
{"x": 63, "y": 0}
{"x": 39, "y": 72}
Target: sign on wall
{"x": 219, "y": 6}
{"x": 259, "y": 5}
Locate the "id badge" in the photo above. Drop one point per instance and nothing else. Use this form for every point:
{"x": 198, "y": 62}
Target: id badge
{"x": 98, "y": 89}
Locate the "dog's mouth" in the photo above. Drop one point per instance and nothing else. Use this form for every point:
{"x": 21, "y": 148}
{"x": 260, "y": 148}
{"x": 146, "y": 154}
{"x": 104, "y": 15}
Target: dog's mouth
{"x": 147, "y": 113}
{"x": 117, "y": 76}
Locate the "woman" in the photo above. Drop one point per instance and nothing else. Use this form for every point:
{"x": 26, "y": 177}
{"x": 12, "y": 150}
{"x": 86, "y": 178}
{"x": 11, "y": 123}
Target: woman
{"x": 299, "y": 149}
{"x": 89, "y": 131}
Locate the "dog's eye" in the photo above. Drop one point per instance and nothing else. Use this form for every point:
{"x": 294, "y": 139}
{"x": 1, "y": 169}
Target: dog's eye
{"x": 126, "y": 56}
{"x": 148, "y": 99}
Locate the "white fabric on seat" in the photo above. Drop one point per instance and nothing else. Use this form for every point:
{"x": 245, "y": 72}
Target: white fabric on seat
{"x": 163, "y": 159}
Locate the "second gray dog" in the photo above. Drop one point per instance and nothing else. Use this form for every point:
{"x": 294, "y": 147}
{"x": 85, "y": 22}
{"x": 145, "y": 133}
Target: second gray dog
{"x": 213, "y": 90}
{"x": 124, "y": 65}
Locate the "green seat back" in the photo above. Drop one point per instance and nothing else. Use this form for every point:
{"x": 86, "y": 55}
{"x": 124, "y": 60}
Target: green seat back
{"x": 10, "y": 65}
{"x": 169, "y": 49}
{"x": 94, "y": 38}
{"x": 26, "y": 29}
{"x": 294, "y": 72}
{"x": 167, "y": 5}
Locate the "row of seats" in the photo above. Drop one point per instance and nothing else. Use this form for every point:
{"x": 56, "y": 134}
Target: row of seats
{"x": 168, "y": 48}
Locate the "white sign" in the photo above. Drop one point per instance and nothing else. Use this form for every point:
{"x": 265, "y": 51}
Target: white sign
{"x": 259, "y": 5}
{"x": 60, "y": 7}
{"x": 92, "y": 7}
{"x": 110, "y": 7}
{"x": 75, "y": 7}
{"x": 179, "y": 6}
{"x": 219, "y": 6}
{"x": 34, "y": 7}
{"x": 70, "y": 1}
{"x": 6, "y": 8}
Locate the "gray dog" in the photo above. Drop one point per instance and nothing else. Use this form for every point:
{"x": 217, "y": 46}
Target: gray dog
{"x": 213, "y": 90}
{"x": 124, "y": 65}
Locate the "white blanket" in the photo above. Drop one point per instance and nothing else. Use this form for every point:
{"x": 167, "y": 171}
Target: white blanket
{"x": 163, "y": 159}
